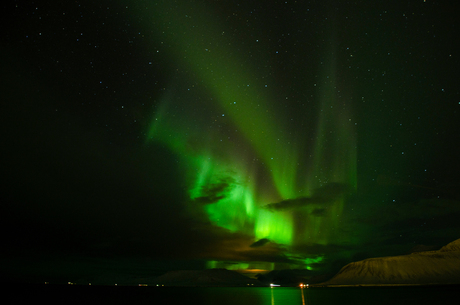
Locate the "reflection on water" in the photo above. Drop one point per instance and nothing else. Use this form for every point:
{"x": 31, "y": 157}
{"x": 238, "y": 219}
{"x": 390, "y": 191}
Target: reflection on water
{"x": 291, "y": 294}
{"x": 273, "y": 298}
{"x": 355, "y": 296}
{"x": 237, "y": 296}
{"x": 285, "y": 295}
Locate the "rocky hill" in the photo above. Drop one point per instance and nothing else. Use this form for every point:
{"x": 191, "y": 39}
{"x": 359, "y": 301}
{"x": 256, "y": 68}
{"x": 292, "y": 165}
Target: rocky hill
{"x": 422, "y": 268}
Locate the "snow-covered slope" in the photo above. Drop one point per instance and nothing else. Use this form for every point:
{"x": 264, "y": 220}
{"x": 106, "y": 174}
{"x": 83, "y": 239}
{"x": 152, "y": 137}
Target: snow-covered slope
{"x": 431, "y": 267}
{"x": 209, "y": 277}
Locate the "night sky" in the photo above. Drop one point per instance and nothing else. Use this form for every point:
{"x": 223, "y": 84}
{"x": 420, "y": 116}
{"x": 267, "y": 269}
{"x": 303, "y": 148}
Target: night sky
{"x": 140, "y": 136}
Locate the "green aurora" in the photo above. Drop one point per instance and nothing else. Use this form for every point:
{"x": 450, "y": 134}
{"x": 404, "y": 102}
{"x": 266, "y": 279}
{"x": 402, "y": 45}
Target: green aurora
{"x": 240, "y": 156}
{"x": 140, "y": 137}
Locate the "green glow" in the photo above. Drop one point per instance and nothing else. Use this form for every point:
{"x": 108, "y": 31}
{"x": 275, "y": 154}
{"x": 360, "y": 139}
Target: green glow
{"x": 316, "y": 260}
{"x": 239, "y": 94}
{"x": 226, "y": 265}
{"x": 223, "y": 179}
{"x": 255, "y": 266}
{"x": 236, "y": 210}
{"x": 274, "y": 226}
{"x": 306, "y": 263}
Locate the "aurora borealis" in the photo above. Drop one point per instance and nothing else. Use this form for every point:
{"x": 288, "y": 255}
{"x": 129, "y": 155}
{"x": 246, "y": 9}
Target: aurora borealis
{"x": 251, "y": 160}
{"x": 240, "y": 135}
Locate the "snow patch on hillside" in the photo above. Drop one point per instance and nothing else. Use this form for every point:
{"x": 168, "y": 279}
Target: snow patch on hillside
{"x": 430, "y": 267}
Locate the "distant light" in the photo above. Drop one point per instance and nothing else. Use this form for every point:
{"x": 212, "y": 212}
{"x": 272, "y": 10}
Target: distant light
{"x": 274, "y": 285}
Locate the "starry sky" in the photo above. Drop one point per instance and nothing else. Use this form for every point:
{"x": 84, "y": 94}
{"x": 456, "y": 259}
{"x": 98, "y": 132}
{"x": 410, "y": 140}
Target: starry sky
{"x": 140, "y": 136}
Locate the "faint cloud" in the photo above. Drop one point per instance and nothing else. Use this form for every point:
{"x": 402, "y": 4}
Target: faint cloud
{"x": 260, "y": 243}
{"x": 214, "y": 192}
{"x": 323, "y": 195}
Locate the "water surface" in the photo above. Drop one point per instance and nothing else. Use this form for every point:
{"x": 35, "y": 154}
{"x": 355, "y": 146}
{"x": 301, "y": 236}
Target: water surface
{"x": 64, "y": 294}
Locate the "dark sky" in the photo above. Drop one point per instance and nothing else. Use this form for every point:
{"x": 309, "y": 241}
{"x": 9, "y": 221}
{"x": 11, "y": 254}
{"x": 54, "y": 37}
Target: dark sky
{"x": 140, "y": 136}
